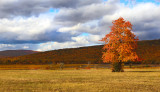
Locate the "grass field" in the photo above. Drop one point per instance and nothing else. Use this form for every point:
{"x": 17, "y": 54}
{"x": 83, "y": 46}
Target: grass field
{"x": 68, "y": 66}
{"x": 41, "y": 67}
{"x": 94, "y": 80}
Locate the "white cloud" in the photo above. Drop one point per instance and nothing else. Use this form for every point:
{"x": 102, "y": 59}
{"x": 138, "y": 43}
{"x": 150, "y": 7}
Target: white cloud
{"x": 7, "y": 1}
{"x": 25, "y": 47}
{"x": 79, "y": 28}
{"x": 25, "y": 29}
{"x": 18, "y": 46}
{"x": 79, "y": 41}
{"x": 6, "y": 45}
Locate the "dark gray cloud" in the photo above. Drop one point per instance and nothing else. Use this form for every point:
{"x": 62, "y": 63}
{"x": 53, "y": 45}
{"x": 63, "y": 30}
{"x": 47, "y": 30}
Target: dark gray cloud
{"x": 35, "y": 7}
{"x": 84, "y": 14}
{"x": 148, "y": 30}
{"x": 13, "y": 38}
{"x": 152, "y": 35}
{"x": 55, "y": 36}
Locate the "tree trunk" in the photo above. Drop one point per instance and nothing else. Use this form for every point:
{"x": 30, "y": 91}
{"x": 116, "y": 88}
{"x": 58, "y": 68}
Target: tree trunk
{"x": 130, "y": 65}
{"x": 117, "y": 67}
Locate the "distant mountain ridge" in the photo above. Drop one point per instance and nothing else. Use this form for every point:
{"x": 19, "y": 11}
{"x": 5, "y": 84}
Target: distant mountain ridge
{"x": 149, "y": 51}
{"x": 14, "y": 53}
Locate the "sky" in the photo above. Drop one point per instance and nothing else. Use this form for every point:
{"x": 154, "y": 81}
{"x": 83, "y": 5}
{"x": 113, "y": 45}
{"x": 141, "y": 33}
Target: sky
{"x": 44, "y": 25}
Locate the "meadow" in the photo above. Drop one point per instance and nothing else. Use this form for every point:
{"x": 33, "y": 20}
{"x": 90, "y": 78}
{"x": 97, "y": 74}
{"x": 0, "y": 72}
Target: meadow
{"x": 82, "y": 80}
{"x": 71, "y": 66}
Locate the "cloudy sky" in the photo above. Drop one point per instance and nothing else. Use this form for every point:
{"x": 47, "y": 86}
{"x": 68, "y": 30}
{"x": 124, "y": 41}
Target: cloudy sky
{"x": 55, "y": 24}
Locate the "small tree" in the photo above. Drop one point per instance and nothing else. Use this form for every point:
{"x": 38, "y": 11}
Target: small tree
{"x": 61, "y": 66}
{"x": 120, "y": 45}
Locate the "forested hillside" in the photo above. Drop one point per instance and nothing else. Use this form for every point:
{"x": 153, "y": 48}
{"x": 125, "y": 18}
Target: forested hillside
{"x": 13, "y": 53}
{"x": 149, "y": 51}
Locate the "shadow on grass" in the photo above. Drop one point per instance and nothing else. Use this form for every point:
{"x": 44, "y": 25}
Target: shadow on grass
{"x": 143, "y": 71}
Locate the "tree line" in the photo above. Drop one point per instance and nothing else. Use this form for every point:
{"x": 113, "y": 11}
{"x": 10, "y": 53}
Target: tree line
{"x": 148, "y": 51}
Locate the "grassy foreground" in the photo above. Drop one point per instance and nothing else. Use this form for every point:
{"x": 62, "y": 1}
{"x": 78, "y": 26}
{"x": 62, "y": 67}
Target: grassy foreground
{"x": 101, "y": 80}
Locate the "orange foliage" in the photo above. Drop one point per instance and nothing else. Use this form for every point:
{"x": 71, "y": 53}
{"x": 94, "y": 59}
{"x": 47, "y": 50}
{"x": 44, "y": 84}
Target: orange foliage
{"x": 120, "y": 43}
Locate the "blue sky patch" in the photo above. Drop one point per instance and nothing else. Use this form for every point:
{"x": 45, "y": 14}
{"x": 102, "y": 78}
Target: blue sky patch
{"x": 126, "y": 2}
{"x": 84, "y": 34}
{"x": 53, "y": 10}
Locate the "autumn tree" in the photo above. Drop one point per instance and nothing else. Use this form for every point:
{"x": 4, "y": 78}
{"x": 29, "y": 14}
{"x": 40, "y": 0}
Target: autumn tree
{"x": 120, "y": 45}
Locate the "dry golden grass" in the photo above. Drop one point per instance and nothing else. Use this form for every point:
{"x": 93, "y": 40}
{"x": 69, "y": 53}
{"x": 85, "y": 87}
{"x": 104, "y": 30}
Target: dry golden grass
{"x": 101, "y": 80}
{"x": 42, "y": 67}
